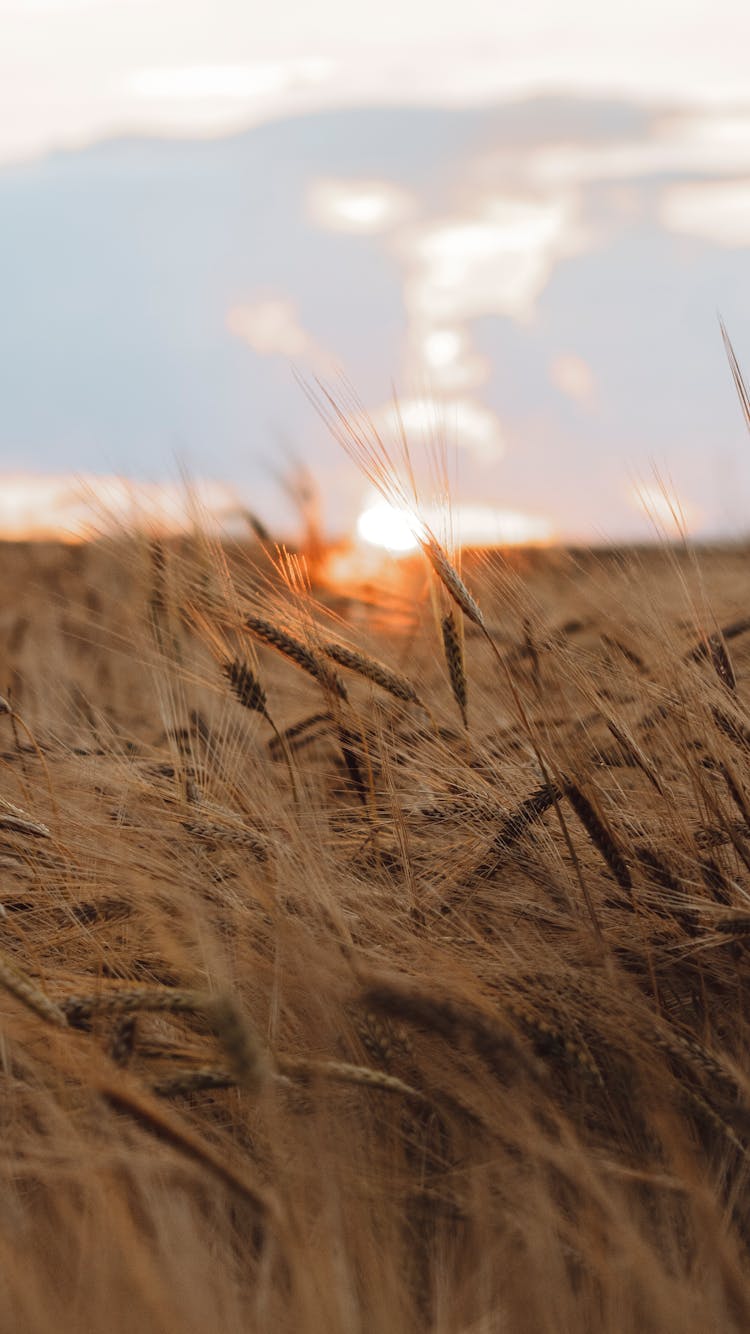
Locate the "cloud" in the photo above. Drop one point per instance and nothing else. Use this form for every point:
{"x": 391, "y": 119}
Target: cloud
{"x": 706, "y": 142}
{"x": 494, "y": 258}
{"x": 365, "y": 206}
{"x": 271, "y": 327}
{"x": 573, "y": 377}
{"x": 73, "y": 507}
{"x": 227, "y": 82}
{"x": 486, "y": 525}
{"x": 428, "y": 421}
{"x": 444, "y": 358}
{"x": 667, "y": 511}
{"x": 717, "y": 211}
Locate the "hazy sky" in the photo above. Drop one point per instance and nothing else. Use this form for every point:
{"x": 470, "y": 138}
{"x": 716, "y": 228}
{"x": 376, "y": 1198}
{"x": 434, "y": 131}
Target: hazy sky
{"x": 72, "y": 70}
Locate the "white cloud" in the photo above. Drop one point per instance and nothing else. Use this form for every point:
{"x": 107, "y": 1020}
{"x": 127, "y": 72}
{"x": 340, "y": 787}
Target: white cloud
{"x": 494, "y": 258}
{"x": 443, "y": 358}
{"x": 717, "y": 211}
{"x": 710, "y": 142}
{"x": 460, "y": 421}
{"x": 61, "y": 83}
{"x": 366, "y": 206}
{"x": 486, "y": 525}
{"x": 226, "y": 82}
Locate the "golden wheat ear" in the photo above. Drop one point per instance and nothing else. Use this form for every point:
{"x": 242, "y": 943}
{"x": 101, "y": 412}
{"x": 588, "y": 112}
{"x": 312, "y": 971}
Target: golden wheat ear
{"x": 377, "y": 672}
{"x": 276, "y": 636}
{"x": 454, "y": 657}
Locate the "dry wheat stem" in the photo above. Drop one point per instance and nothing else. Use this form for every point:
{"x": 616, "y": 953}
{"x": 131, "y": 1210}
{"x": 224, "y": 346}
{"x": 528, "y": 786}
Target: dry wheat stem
{"x": 129, "y": 1098}
{"x": 291, "y": 1068}
{"x": 17, "y": 719}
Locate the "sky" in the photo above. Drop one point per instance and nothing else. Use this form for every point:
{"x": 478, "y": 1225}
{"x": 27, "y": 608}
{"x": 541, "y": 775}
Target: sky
{"x": 526, "y": 217}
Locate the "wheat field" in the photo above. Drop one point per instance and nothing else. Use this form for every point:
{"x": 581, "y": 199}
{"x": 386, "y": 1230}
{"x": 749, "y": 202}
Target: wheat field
{"x": 367, "y": 965}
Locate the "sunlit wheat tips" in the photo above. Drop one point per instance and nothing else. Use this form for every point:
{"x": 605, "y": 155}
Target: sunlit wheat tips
{"x": 452, "y": 581}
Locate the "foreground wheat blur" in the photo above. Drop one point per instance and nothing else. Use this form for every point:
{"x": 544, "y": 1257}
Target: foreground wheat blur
{"x": 345, "y": 990}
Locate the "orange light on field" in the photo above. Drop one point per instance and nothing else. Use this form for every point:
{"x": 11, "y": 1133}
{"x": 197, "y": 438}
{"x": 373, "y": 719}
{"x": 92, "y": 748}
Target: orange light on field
{"x": 383, "y": 525}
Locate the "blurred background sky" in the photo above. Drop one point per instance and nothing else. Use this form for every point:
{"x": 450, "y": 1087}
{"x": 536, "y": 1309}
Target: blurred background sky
{"x": 524, "y": 218}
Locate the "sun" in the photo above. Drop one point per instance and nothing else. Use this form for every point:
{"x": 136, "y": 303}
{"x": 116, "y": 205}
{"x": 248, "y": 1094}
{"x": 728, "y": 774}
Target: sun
{"x": 383, "y": 525}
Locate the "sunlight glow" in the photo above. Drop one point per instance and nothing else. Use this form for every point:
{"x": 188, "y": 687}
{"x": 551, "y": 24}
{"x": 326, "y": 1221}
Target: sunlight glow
{"x": 442, "y": 347}
{"x": 383, "y": 525}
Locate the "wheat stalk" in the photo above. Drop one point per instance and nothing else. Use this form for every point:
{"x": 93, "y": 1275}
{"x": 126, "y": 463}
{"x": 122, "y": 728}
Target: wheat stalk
{"x": 129, "y": 1098}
